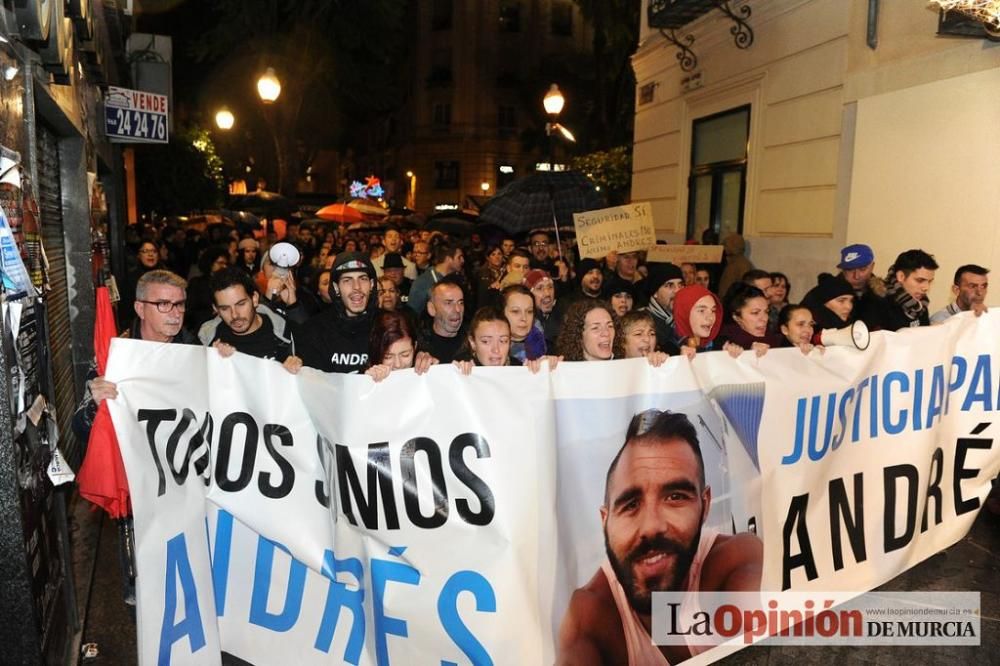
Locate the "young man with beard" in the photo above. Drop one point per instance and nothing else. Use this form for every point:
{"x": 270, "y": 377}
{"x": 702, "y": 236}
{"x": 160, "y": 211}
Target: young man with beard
{"x": 444, "y": 337}
{"x": 336, "y": 340}
{"x": 591, "y": 281}
{"x": 655, "y": 506}
{"x": 243, "y": 324}
{"x": 662, "y": 284}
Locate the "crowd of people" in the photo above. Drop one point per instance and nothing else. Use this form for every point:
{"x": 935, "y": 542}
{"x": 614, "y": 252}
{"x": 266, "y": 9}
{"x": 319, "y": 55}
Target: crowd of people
{"x": 390, "y": 298}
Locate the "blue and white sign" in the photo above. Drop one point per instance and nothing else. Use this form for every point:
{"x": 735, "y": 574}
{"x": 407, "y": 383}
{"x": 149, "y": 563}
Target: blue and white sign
{"x": 135, "y": 116}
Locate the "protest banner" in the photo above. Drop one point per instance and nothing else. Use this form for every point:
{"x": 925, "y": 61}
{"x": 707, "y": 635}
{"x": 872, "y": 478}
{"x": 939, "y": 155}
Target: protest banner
{"x": 617, "y": 229}
{"x": 459, "y": 529}
{"x": 685, "y": 254}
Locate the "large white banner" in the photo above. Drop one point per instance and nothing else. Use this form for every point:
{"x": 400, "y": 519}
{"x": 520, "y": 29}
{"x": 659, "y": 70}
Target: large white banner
{"x": 449, "y": 519}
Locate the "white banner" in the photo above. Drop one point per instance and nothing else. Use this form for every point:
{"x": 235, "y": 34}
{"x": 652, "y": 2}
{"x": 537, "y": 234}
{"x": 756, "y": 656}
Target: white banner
{"x": 449, "y": 519}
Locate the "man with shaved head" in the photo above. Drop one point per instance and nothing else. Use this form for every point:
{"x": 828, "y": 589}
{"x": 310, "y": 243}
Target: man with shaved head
{"x": 656, "y": 503}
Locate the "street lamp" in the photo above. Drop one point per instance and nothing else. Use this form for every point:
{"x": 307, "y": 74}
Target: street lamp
{"x": 553, "y": 102}
{"x": 224, "y": 119}
{"x": 484, "y": 186}
{"x": 268, "y": 86}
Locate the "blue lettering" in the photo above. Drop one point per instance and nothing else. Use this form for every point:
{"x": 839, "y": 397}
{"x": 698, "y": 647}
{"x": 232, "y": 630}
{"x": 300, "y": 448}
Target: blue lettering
{"x": 814, "y": 453}
{"x": 959, "y": 366}
{"x": 341, "y": 596}
{"x": 936, "y": 402}
{"x": 856, "y": 433}
{"x": 382, "y": 572}
{"x": 845, "y": 400}
{"x": 486, "y": 602}
{"x": 981, "y": 389}
{"x": 890, "y": 426}
{"x": 221, "y": 553}
{"x": 800, "y": 417}
{"x": 179, "y": 570}
{"x": 259, "y": 614}
{"x": 918, "y": 398}
{"x": 873, "y": 413}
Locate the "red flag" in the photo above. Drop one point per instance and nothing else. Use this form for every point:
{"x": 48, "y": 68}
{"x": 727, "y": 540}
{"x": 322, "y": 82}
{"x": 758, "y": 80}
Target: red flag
{"x": 102, "y": 477}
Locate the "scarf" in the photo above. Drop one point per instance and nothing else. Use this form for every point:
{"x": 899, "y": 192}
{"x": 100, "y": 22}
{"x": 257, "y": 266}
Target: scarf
{"x": 657, "y": 311}
{"x": 895, "y": 293}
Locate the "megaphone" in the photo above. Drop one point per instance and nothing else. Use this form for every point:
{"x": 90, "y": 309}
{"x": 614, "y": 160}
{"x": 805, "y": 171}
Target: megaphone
{"x": 283, "y": 256}
{"x": 856, "y": 335}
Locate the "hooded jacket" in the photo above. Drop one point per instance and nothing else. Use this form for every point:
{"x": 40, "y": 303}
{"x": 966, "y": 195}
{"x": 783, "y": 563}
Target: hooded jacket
{"x": 684, "y": 302}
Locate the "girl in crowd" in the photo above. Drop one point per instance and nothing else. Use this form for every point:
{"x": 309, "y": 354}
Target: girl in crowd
{"x": 748, "y": 308}
{"x": 323, "y": 288}
{"x": 697, "y": 321}
{"x": 831, "y": 302}
{"x": 588, "y": 332}
{"x": 489, "y": 274}
{"x": 620, "y": 295}
{"x": 527, "y": 340}
{"x": 797, "y": 326}
{"x": 488, "y": 344}
{"x": 635, "y": 337}
{"x": 392, "y": 346}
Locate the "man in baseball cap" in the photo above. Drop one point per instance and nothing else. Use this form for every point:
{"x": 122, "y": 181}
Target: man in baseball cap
{"x": 336, "y": 340}
{"x": 857, "y": 265}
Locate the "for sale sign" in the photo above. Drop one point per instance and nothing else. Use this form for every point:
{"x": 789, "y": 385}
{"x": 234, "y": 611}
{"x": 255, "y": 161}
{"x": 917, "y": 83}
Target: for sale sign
{"x": 135, "y": 116}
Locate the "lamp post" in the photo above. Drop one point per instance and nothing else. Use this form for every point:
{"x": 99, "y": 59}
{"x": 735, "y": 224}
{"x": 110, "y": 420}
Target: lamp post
{"x": 411, "y": 190}
{"x": 553, "y": 103}
{"x": 269, "y": 89}
{"x": 224, "y": 119}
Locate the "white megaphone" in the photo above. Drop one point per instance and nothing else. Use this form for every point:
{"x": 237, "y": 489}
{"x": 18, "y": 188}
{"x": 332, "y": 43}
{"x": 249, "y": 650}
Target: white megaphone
{"x": 856, "y": 335}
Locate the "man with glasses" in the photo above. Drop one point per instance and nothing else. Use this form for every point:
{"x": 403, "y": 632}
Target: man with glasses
{"x": 160, "y": 302}
{"x": 539, "y": 243}
{"x": 421, "y": 256}
{"x": 336, "y": 340}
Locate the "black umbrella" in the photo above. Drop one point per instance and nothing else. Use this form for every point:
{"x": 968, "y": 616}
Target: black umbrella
{"x": 541, "y": 200}
{"x": 265, "y": 204}
{"x": 453, "y": 223}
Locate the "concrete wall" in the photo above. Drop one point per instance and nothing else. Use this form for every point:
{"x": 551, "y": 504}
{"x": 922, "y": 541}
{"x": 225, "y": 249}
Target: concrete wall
{"x": 812, "y": 82}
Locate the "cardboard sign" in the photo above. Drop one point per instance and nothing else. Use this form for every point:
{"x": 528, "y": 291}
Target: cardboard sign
{"x": 685, "y": 254}
{"x": 619, "y": 229}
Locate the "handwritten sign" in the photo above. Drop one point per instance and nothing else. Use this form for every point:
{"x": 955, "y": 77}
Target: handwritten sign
{"x": 619, "y": 229}
{"x": 685, "y": 254}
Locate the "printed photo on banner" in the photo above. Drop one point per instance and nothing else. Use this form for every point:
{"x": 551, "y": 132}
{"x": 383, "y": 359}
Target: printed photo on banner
{"x": 660, "y": 514}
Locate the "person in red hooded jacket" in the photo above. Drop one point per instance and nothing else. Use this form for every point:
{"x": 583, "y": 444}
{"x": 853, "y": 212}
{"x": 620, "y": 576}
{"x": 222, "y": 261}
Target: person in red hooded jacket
{"x": 697, "y": 320}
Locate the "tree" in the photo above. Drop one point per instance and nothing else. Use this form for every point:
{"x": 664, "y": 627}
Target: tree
{"x": 609, "y": 170}
{"x": 181, "y": 176}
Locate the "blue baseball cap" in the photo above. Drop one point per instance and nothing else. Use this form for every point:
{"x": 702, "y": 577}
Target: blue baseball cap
{"x": 855, "y": 256}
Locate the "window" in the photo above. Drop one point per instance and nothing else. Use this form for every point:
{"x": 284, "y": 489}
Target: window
{"x": 446, "y": 175}
{"x": 506, "y": 120}
{"x": 441, "y": 15}
{"x": 562, "y": 19}
{"x": 440, "y": 74}
{"x": 717, "y": 185}
{"x": 510, "y": 16}
{"x": 441, "y": 115}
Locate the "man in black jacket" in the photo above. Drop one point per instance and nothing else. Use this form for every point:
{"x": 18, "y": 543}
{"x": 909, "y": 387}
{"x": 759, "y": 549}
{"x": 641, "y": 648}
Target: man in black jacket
{"x": 244, "y": 324}
{"x": 336, "y": 340}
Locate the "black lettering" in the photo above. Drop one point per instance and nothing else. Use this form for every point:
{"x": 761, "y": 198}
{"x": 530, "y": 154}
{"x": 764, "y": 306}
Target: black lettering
{"x": 796, "y": 520}
{"x": 154, "y": 418}
{"x": 934, "y": 489}
{"x": 180, "y": 474}
{"x": 890, "y": 476}
{"x": 411, "y": 498}
{"x": 379, "y": 468}
{"x": 840, "y": 508}
{"x": 251, "y": 435}
{"x": 962, "y": 472}
{"x": 322, "y": 493}
{"x": 284, "y": 437}
{"x": 478, "y": 487}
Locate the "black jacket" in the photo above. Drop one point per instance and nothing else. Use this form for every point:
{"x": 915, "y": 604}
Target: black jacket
{"x": 334, "y": 342}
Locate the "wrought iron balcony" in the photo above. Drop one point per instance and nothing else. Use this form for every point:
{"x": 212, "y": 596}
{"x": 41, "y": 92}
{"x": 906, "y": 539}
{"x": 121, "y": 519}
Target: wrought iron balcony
{"x": 673, "y": 14}
{"x": 669, "y": 15}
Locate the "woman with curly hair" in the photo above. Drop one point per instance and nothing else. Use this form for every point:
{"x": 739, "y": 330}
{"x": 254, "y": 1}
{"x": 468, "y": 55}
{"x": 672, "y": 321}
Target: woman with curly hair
{"x": 635, "y": 337}
{"x": 588, "y": 332}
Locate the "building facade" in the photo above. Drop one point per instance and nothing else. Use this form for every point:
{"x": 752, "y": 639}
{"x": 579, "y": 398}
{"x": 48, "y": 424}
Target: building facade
{"x": 474, "y": 89}
{"x": 840, "y": 122}
{"x": 62, "y": 199}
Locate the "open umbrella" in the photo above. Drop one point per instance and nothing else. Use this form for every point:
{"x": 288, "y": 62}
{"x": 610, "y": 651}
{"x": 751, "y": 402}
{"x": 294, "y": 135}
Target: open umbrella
{"x": 102, "y": 477}
{"x": 340, "y": 212}
{"x": 452, "y": 223}
{"x": 541, "y": 200}
{"x": 263, "y": 203}
{"x": 368, "y": 207}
